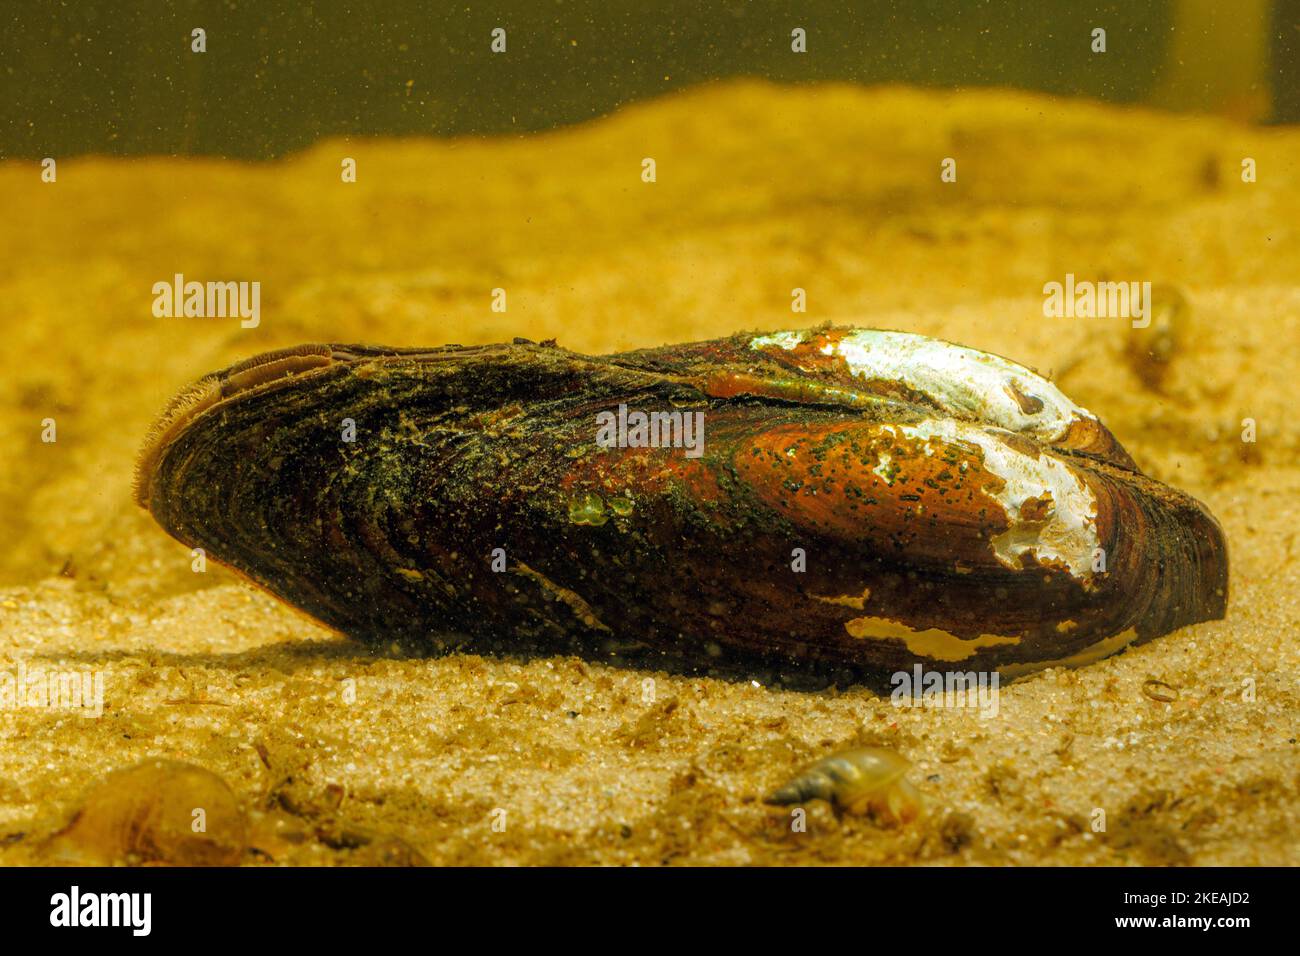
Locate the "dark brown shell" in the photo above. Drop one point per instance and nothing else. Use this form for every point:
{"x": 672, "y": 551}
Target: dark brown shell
{"x": 891, "y": 486}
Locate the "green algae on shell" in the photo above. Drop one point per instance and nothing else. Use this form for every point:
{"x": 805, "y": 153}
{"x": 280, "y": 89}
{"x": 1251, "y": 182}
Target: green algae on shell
{"x": 861, "y": 498}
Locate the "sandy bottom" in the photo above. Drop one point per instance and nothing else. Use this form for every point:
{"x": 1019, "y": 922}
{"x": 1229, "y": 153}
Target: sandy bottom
{"x": 339, "y": 755}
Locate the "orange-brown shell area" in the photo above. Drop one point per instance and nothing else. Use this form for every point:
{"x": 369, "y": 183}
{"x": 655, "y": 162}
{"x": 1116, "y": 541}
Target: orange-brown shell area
{"x": 786, "y": 541}
{"x": 642, "y": 473}
{"x": 932, "y": 507}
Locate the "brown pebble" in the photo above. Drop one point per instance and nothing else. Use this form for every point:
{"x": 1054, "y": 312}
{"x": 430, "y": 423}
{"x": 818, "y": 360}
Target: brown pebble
{"x": 1158, "y": 690}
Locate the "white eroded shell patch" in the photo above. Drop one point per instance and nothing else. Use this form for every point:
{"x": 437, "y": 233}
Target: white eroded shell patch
{"x": 1060, "y": 523}
{"x": 962, "y": 381}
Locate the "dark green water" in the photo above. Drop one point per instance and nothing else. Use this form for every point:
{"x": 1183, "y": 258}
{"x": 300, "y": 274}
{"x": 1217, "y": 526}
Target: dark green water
{"x": 121, "y": 78}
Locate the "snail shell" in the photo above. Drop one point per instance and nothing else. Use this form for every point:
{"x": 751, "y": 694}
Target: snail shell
{"x": 147, "y": 813}
{"x": 867, "y": 780}
{"x": 953, "y": 508}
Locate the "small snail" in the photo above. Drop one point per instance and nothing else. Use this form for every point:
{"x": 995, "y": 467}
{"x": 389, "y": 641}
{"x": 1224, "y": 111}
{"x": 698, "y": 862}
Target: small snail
{"x": 1151, "y": 348}
{"x": 868, "y": 780}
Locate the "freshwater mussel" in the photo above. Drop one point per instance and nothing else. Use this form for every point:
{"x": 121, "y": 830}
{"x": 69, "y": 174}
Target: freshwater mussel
{"x": 846, "y": 497}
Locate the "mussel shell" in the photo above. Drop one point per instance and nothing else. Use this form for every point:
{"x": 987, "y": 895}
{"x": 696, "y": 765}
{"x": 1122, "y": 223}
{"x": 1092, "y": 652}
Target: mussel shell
{"x": 460, "y": 451}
